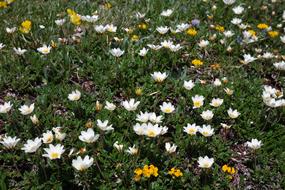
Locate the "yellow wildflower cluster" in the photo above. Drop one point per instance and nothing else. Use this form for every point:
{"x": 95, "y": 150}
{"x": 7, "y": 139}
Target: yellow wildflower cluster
{"x": 74, "y": 17}
{"x": 229, "y": 170}
{"x": 174, "y": 172}
{"x": 192, "y": 32}
{"x": 26, "y": 26}
{"x": 143, "y": 26}
{"x": 147, "y": 171}
{"x": 273, "y": 34}
{"x": 135, "y": 38}
{"x": 262, "y": 26}
{"x": 219, "y": 28}
{"x": 3, "y": 4}
{"x": 197, "y": 62}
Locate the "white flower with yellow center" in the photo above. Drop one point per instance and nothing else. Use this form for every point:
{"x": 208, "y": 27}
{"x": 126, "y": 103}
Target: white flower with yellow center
{"x": 166, "y": 44}
{"x": 110, "y": 106}
{"x": 167, "y": 107}
{"x": 154, "y": 47}
{"x": 155, "y": 119}
{"x": 191, "y": 129}
{"x": 159, "y": 77}
{"x": 206, "y": 130}
{"x": 47, "y": 137}
{"x": 198, "y": 101}
{"x": 44, "y": 49}
{"x": 162, "y": 29}
{"x": 54, "y": 152}
{"x": 170, "y": 148}
{"x": 118, "y": 146}
{"x": 143, "y": 117}
{"x": 100, "y": 28}
{"x": 205, "y": 162}
{"x": 203, "y": 43}
{"x": 207, "y": 115}
{"x": 82, "y": 164}
{"x": 233, "y": 113}
{"x": 143, "y": 52}
{"x": 216, "y": 102}
{"x": 34, "y": 119}
{"x": 9, "y": 142}
{"x": 132, "y": 150}
{"x": 152, "y": 130}
{"x": 117, "y": 52}
{"x": 140, "y": 129}
{"x": 74, "y": 95}
{"x": 26, "y": 110}
{"x": 166, "y": 13}
{"x": 229, "y": 91}
{"x": 104, "y": 125}
{"x": 111, "y": 28}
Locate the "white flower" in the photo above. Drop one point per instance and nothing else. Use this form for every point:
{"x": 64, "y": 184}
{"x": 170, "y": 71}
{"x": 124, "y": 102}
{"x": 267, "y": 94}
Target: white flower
{"x": 228, "y": 33}
{"x": 47, "y": 137}
{"x": 6, "y": 107}
{"x": 74, "y": 95}
{"x": 82, "y": 164}
{"x": 11, "y": 30}
{"x": 254, "y": 144}
{"x": 280, "y": 65}
{"x": 149, "y": 129}
{"x": 110, "y": 106}
{"x": 191, "y": 129}
{"x": 167, "y": 107}
{"x": 19, "y": 51}
{"x": 140, "y": 15}
{"x": 170, "y": 148}
{"x": 225, "y": 126}
{"x": 34, "y": 119}
{"x": 206, "y": 130}
{"x": 207, "y": 115}
{"x": 58, "y": 134}
{"x": 233, "y": 113}
{"x": 2, "y": 46}
{"x": 188, "y": 85}
{"x": 182, "y": 27}
{"x": 205, "y": 162}
{"x": 198, "y": 101}
{"x": 9, "y": 142}
{"x": 111, "y": 28}
{"x": 143, "y": 52}
{"x": 104, "y": 125}
{"x": 248, "y": 58}
{"x": 162, "y": 29}
{"x": 54, "y": 152}
{"x": 88, "y": 136}
{"x": 282, "y": 38}
{"x": 229, "y": 2}
{"x": 132, "y": 150}
{"x": 216, "y": 102}
{"x": 44, "y": 49}
{"x": 130, "y": 105}
{"x": 154, "y": 47}
{"x": 32, "y": 146}
{"x": 217, "y": 82}
{"x": 166, "y": 43}
{"x": 118, "y": 146}
{"x": 159, "y": 77}
{"x": 89, "y": 18}
{"x": 203, "y": 43}
{"x": 175, "y": 48}
{"x": 267, "y": 55}
{"x": 236, "y": 21}
{"x": 238, "y": 10}
{"x": 117, "y": 52}
{"x": 26, "y": 110}
{"x": 59, "y": 22}
{"x": 100, "y": 28}
{"x": 229, "y": 91}
{"x": 153, "y": 118}
{"x": 166, "y": 13}
{"x": 143, "y": 117}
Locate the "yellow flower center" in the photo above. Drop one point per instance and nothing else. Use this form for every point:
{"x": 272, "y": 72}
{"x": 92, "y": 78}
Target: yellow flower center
{"x": 191, "y": 131}
{"x": 151, "y": 133}
{"x": 54, "y": 155}
{"x": 197, "y": 104}
{"x": 167, "y": 110}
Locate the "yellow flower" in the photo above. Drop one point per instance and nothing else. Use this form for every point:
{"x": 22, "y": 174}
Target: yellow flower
{"x": 262, "y": 26}
{"x": 74, "y": 17}
{"x": 142, "y": 26}
{"x": 135, "y": 38}
{"x": 98, "y": 106}
{"x": 175, "y": 172}
{"x": 192, "y": 32}
{"x": 197, "y": 62}
{"x": 273, "y": 34}
{"x": 219, "y": 28}
{"x": 3, "y": 4}
{"x": 138, "y": 91}
{"x": 138, "y": 171}
{"x": 108, "y": 5}
{"x": 26, "y": 26}
{"x": 229, "y": 170}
